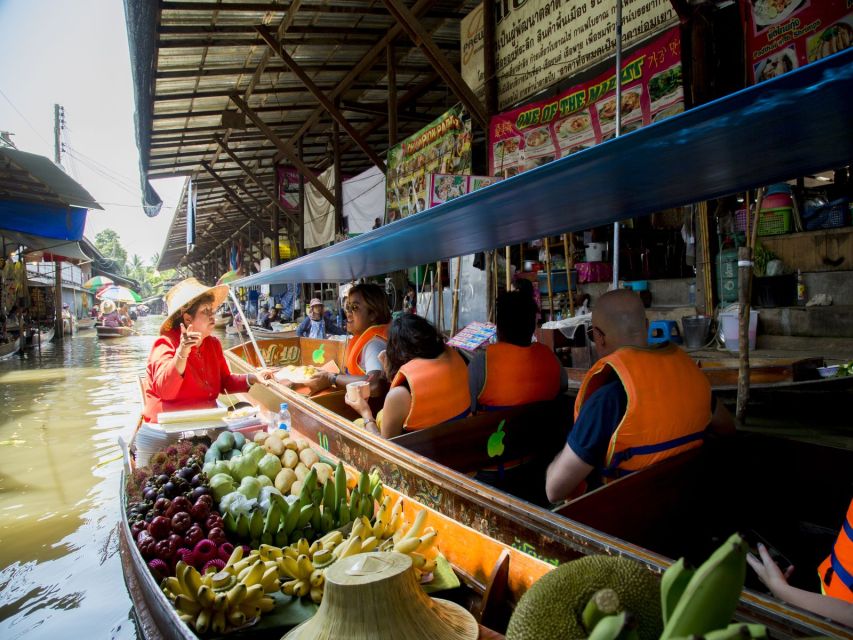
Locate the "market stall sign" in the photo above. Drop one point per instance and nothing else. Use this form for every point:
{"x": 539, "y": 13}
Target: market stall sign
{"x": 443, "y": 146}
{"x": 585, "y": 114}
{"x": 782, "y": 35}
{"x": 541, "y": 42}
{"x": 288, "y": 187}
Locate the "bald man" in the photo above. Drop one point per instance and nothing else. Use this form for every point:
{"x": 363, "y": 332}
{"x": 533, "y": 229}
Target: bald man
{"x": 637, "y": 405}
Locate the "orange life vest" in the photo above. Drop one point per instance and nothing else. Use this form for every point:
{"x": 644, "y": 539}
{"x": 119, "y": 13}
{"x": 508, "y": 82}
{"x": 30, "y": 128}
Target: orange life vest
{"x": 356, "y": 346}
{"x": 519, "y": 375}
{"x": 439, "y": 389}
{"x": 669, "y": 405}
{"x": 836, "y": 572}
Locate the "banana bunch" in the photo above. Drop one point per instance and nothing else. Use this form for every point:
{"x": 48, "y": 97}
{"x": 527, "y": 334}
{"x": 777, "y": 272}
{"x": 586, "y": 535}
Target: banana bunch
{"x": 304, "y": 566}
{"x": 226, "y": 599}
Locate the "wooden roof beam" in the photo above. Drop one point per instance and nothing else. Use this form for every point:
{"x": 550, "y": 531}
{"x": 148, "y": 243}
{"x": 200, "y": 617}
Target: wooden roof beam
{"x": 180, "y": 115}
{"x": 223, "y": 93}
{"x": 173, "y": 74}
{"x": 408, "y": 20}
{"x": 380, "y": 109}
{"x": 211, "y": 29}
{"x": 235, "y": 200}
{"x": 333, "y": 110}
{"x": 284, "y": 148}
{"x": 350, "y": 38}
{"x": 282, "y": 8}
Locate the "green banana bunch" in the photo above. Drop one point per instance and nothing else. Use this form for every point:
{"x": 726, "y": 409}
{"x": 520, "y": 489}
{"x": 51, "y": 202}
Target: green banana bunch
{"x": 616, "y": 627}
{"x": 672, "y": 585}
{"x": 709, "y": 599}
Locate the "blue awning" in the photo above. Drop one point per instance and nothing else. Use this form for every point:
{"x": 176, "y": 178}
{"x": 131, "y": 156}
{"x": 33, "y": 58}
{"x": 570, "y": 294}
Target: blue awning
{"x": 796, "y": 124}
{"x": 40, "y": 219}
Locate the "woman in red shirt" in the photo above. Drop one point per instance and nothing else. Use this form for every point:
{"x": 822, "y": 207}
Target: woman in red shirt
{"x": 186, "y": 367}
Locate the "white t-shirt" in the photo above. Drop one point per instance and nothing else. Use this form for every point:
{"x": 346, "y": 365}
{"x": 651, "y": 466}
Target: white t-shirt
{"x": 369, "y": 358}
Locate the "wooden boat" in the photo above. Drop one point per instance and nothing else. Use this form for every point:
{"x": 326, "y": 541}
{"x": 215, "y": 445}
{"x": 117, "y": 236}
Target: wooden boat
{"x": 493, "y": 575}
{"x": 113, "y": 332}
{"x": 769, "y": 472}
{"x": 221, "y": 319}
{"x": 280, "y": 330}
{"x": 8, "y": 349}
{"x": 44, "y": 336}
{"x": 85, "y": 323}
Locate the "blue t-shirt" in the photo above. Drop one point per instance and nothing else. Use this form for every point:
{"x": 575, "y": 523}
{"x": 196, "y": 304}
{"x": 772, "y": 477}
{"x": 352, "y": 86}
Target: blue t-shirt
{"x": 598, "y": 418}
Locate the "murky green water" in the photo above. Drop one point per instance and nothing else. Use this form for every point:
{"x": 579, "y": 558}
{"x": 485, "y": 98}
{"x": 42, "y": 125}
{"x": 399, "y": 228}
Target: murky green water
{"x": 61, "y": 413}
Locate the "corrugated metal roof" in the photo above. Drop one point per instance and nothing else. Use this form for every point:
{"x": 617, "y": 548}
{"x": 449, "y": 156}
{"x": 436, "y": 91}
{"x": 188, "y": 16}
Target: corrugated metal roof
{"x": 34, "y": 178}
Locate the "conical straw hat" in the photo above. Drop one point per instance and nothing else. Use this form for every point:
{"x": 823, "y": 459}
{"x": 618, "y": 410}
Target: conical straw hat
{"x": 184, "y": 294}
{"x": 375, "y": 596}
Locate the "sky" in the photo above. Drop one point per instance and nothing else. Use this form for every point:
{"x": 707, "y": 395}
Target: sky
{"x": 76, "y": 54}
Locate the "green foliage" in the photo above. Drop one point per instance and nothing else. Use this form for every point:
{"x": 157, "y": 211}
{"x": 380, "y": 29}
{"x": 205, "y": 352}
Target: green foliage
{"x": 109, "y": 244}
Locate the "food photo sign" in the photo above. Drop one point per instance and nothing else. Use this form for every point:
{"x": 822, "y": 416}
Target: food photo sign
{"x": 585, "y": 114}
{"x": 782, "y": 35}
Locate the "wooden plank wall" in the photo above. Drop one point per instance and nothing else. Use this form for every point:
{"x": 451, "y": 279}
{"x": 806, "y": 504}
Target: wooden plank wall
{"x": 813, "y": 250}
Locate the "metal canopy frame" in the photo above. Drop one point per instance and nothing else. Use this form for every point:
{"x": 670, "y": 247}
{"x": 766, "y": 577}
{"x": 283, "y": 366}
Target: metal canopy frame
{"x": 800, "y": 123}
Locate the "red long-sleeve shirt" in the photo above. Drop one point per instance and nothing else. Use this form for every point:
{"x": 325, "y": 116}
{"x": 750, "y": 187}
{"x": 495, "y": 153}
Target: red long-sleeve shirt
{"x": 205, "y": 377}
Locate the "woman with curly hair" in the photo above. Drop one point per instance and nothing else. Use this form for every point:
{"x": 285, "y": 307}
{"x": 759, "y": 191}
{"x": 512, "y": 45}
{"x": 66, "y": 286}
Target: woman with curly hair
{"x": 429, "y": 380}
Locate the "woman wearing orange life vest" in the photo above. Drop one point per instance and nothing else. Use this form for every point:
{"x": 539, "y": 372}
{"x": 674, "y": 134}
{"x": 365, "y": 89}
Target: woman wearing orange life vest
{"x": 368, "y": 316}
{"x": 835, "y": 573}
{"x": 429, "y": 381}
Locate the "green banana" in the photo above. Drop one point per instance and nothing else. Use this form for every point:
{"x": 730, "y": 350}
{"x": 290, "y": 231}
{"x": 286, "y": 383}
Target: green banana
{"x": 256, "y": 524}
{"x": 732, "y": 632}
{"x": 340, "y": 483}
{"x": 710, "y": 598}
{"x": 316, "y": 517}
{"x": 754, "y": 630}
{"x": 618, "y": 627}
{"x": 273, "y": 520}
{"x": 280, "y": 538}
{"x": 367, "y": 506}
{"x": 329, "y": 496}
{"x": 230, "y": 524}
{"x": 354, "y": 502}
{"x": 603, "y": 603}
{"x": 364, "y": 483}
{"x": 243, "y": 526}
{"x": 343, "y": 513}
{"x": 672, "y": 585}
{"x": 305, "y": 515}
{"x": 376, "y": 492}
{"x": 292, "y": 518}
{"x": 327, "y": 522}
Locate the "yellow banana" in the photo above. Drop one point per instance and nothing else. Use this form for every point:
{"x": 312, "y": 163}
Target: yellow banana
{"x": 238, "y": 567}
{"x": 180, "y": 572}
{"x": 711, "y": 596}
{"x": 418, "y": 560}
{"x": 331, "y": 539}
{"x": 236, "y": 618}
{"x": 291, "y": 567}
{"x": 291, "y": 552}
{"x": 407, "y": 545}
{"x": 266, "y": 604}
{"x": 400, "y": 533}
{"x": 220, "y": 600}
{"x": 254, "y": 593}
{"x": 318, "y": 577}
{"x": 250, "y": 610}
{"x": 429, "y": 566}
{"x": 207, "y": 580}
{"x": 367, "y": 528}
{"x": 418, "y": 525}
{"x": 172, "y": 587}
{"x": 322, "y": 558}
{"x": 315, "y": 546}
{"x": 427, "y": 540}
{"x": 202, "y": 622}
{"x": 351, "y": 548}
{"x": 316, "y": 595}
{"x": 288, "y": 587}
{"x": 255, "y": 574}
{"x": 192, "y": 580}
{"x": 219, "y": 624}
{"x": 305, "y": 567}
{"x": 387, "y": 545}
{"x": 187, "y": 619}
{"x": 369, "y": 544}
{"x": 235, "y": 556}
{"x": 383, "y": 517}
{"x": 186, "y": 605}
{"x": 236, "y": 595}
{"x": 269, "y": 581}
{"x": 302, "y": 547}
{"x": 269, "y": 552}
{"x": 301, "y": 588}
{"x": 206, "y": 596}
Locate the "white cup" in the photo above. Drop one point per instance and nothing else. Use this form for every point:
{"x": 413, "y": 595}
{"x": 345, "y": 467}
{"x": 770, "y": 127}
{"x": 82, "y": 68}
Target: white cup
{"x": 356, "y": 389}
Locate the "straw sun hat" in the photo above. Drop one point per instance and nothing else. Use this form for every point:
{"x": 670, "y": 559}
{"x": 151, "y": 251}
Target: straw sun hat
{"x": 108, "y": 306}
{"x": 183, "y": 294}
{"x": 375, "y": 596}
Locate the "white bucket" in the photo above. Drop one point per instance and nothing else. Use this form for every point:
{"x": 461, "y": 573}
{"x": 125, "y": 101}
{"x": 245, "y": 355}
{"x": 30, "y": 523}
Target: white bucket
{"x": 729, "y": 329}
{"x": 594, "y": 251}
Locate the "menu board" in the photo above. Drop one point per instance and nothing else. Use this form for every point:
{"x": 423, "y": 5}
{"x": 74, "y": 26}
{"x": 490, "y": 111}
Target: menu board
{"x": 782, "y": 35}
{"x": 585, "y": 114}
{"x": 443, "y": 146}
{"x": 288, "y": 187}
{"x": 442, "y": 187}
{"x": 473, "y": 336}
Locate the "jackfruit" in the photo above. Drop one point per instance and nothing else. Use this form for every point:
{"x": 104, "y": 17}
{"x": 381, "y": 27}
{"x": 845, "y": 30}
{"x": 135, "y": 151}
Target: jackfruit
{"x": 553, "y": 606}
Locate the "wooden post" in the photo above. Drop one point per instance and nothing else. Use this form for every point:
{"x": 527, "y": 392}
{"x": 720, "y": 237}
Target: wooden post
{"x": 454, "y": 312}
{"x": 439, "y": 303}
{"x": 490, "y": 76}
{"x": 548, "y": 274}
{"x": 703, "y": 259}
{"x": 339, "y": 199}
{"x": 508, "y": 277}
{"x": 275, "y": 257}
{"x": 569, "y": 264}
{"x": 392, "y": 95}
{"x": 57, "y": 302}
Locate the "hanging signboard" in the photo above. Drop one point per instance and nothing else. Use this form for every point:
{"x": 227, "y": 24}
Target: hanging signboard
{"x": 782, "y": 35}
{"x": 585, "y": 114}
{"x": 443, "y": 146}
{"x": 541, "y": 42}
{"x": 288, "y": 187}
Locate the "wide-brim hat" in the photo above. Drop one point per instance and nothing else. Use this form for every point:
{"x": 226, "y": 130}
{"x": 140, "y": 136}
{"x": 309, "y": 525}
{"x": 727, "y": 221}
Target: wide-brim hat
{"x": 108, "y": 306}
{"x": 375, "y": 596}
{"x": 314, "y": 302}
{"x": 183, "y": 294}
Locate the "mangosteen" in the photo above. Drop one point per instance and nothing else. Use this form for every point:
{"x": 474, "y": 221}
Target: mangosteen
{"x": 198, "y": 492}
{"x": 162, "y": 479}
{"x": 198, "y": 480}
{"x": 170, "y": 489}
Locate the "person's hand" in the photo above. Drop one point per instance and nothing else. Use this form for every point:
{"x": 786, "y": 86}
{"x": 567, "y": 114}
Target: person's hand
{"x": 768, "y": 571}
{"x": 265, "y": 376}
{"x": 319, "y": 381}
{"x": 189, "y": 340}
{"x": 360, "y": 405}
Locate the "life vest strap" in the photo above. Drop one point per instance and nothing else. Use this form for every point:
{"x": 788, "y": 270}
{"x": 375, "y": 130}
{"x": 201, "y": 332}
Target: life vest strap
{"x": 648, "y": 449}
{"x": 841, "y": 573}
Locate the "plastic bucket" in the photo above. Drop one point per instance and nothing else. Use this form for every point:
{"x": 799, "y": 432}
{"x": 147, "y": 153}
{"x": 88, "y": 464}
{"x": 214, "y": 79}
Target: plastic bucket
{"x": 696, "y": 330}
{"x": 594, "y": 251}
{"x": 729, "y": 329}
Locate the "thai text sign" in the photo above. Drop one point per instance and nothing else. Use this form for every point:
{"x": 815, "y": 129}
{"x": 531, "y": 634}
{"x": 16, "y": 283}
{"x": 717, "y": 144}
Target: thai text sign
{"x": 782, "y": 35}
{"x": 540, "y": 42}
{"x": 585, "y": 114}
{"x": 443, "y": 146}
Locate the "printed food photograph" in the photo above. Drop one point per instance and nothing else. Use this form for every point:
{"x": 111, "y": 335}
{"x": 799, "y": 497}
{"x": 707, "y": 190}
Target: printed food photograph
{"x": 832, "y": 40}
{"x": 627, "y": 127}
{"x": 630, "y": 102}
{"x": 537, "y": 138}
{"x": 573, "y": 125}
{"x": 532, "y": 163}
{"x": 776, "y": 64}
{"x": 671, "y": 110}
{"x": 505, "y": 148}
{"x": 767, "y": 12}
{"x": 665, "y": 83}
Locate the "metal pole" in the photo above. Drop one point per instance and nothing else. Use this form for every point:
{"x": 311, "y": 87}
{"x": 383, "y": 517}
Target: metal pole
{"x": 618, "y": 129}
{"x": 248, "y": 328}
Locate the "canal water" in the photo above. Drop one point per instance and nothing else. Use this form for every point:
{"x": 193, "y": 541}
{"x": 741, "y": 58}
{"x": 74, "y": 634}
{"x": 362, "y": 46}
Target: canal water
{"x": 61, "y": 413}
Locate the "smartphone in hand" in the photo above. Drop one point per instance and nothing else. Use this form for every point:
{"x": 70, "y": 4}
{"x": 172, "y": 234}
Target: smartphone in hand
{"x": 753, "y": 538}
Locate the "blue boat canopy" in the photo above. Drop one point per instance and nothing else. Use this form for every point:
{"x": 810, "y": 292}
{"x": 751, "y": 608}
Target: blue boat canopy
{"x": 799, "y": 123}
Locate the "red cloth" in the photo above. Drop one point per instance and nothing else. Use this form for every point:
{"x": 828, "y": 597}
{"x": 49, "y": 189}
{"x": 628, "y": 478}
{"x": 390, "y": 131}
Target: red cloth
{"x": 205, "y": 377}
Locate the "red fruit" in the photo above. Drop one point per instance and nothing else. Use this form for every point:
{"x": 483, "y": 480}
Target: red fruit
{"x": 200, "y": 511}
{"x": 225, "y": 551}
{"x": 159, "y": 568}
{"x": 163, "y": 550}
{"x": 181, "y": 522}
{"x": 161, "y": 506}
{"x": 180, "y": 503}
{"x": 160, "y": 527}
{"x": 136, "y": 527}
{"x": 217, "y": 535}
{"x": 214, "y": 521}
{"x": 185, "y": 555}
{"x": 146, "y": 543}
{"x": 193, "y": 535}
{"x": 205, "y": 499}
{"x": 176, "y": 542}
{"x": 205, "y": 550}
{"x": 216, "y": 565}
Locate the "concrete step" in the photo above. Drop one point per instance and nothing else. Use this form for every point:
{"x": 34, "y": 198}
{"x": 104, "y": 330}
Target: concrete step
{"x": 834, "y": 321}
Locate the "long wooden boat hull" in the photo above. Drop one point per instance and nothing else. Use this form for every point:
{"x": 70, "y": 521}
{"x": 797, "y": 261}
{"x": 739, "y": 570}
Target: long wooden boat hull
{"x": 85, "y": 323}
{"x": 473, "y": 555}
{"x": 519, "y": 524}
{"x": 44, "y": 336}
{"x": 221, "y": 321}
{"x": 10, "y": 348}
{"x": 113, "y": 332}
